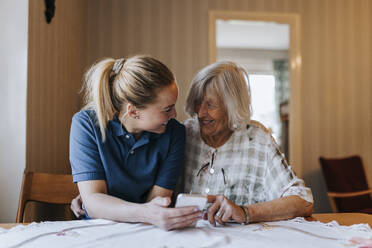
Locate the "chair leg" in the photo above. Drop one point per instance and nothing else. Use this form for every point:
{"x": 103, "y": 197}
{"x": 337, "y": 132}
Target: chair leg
{"x": 333, "y": 204}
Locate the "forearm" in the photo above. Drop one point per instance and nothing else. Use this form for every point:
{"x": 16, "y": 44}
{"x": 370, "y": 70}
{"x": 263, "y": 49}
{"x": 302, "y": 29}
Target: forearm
{"x": 100, "y": 205}
{"x": 158, "y": 191}
{"x": 279, "y": 209}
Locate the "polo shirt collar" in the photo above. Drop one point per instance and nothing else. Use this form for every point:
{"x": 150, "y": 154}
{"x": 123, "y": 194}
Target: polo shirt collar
{"x": 119, "y": 130}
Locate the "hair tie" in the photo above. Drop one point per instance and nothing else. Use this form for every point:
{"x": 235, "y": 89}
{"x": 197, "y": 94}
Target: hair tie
{"x": 116, "y": 69}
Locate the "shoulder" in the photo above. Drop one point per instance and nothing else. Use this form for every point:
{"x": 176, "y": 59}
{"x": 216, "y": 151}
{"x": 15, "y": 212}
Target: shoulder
{"x": 175, "y": 128}
{"x": 84, "y": 121}
{"x": 258, "y": 132}
{"x": 192, "y": 126}
{"x": 175, "y": 125}
{"x": 85, "y": 116}
{"x": 263, "y": 136}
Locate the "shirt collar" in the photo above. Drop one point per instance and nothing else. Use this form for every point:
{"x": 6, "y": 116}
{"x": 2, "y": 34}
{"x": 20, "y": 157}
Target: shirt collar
{"x": 119, "y": 130}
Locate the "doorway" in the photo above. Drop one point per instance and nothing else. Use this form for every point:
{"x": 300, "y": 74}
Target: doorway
{"x": 268, "y": 47}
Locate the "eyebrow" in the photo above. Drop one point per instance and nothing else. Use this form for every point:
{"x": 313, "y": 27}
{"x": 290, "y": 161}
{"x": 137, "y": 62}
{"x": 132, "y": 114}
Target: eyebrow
{"x": 172, "y": 105}
{"x": 212, "y": 101}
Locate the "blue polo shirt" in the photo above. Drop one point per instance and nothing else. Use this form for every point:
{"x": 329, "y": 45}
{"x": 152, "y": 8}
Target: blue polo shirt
{"x": 129, "y": 167}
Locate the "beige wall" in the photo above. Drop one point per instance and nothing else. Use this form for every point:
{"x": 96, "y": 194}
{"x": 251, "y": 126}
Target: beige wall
{"x": 57, "y": 59}
{"x": 336, "y": 68}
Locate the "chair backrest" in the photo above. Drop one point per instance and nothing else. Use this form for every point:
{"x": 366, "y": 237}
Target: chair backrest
{"x": 46, "y": 188}
{"x": 344, "y": 175}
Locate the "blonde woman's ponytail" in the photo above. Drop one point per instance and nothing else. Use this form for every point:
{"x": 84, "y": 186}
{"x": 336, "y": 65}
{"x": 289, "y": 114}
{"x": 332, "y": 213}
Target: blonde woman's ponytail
{"x": 98, "y": 92}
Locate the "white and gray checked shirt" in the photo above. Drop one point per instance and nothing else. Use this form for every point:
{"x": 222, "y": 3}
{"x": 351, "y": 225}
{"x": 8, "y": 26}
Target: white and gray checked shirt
{"x": 247, "y": 169}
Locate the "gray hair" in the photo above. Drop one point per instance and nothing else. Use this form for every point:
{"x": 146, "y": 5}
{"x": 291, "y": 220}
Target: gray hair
{"x": 231, "y": 85}
{"x": 111, "y": 84}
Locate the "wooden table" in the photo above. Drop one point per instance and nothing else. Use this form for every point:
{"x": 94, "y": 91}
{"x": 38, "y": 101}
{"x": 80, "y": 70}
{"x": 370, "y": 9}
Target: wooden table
{"x": 8, "y": 225}
{"x": 342, "y": 218}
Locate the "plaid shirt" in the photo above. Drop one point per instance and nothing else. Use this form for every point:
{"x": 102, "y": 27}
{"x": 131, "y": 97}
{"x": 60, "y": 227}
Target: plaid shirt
{"x": 247, "y": 169}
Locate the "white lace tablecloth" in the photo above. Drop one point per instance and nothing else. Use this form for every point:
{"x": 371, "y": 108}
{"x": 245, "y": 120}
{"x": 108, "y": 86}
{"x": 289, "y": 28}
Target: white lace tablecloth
{"x": 102, "y": 233}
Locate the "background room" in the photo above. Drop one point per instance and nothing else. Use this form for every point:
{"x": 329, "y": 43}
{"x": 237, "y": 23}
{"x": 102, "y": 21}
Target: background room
{"x": 42, "y": 66}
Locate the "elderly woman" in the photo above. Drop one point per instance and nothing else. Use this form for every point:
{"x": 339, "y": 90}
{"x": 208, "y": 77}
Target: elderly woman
{"x": 233, "y": 159}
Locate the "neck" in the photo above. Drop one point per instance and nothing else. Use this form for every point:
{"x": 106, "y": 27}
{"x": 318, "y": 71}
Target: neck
{"x": 217, "y": 140}
{"x": 131, "y": 126}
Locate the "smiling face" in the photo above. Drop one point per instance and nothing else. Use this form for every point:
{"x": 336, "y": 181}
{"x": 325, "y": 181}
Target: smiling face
{"x": 154, "y": 117}
{"x": 212, "y": 115}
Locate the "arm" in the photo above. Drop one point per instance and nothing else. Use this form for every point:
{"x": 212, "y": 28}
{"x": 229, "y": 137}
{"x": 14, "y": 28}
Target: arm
{"x": 159, "y": 191}
{"x": 100, "y": 205}
{"x": 173, "y": 163}
{"x": 283, "y": 208}
{"x": 279, "y": 209}
{"x": 77, "y": 203}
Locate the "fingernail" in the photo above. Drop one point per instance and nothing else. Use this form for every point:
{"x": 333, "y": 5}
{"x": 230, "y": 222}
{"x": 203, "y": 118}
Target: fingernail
{"x": 196, "y": 209}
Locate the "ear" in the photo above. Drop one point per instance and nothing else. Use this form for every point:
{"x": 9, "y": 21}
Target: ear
{"x": 132, "y": 111}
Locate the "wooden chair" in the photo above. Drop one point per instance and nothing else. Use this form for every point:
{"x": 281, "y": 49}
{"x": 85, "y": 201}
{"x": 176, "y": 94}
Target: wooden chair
{"x": 45, "y": 188}
{"x": 347, "y": 185}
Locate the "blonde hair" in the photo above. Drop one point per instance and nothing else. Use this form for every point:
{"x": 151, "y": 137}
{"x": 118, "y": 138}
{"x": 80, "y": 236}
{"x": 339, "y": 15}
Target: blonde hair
{"x": 110, "y": 84}
{"x": 230, "y": 83}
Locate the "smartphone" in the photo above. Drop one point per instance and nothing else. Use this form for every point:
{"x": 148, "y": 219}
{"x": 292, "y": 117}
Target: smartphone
{"x": 186, "y": 200}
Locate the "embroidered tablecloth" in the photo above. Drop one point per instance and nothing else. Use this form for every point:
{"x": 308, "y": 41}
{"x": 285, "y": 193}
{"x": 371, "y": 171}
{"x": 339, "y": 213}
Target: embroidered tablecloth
{"x": 103, "y": 233}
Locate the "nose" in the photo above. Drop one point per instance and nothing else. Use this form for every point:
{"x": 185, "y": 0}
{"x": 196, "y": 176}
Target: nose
{"x": 173, "y": 114}
{"x": 201, "y": 110}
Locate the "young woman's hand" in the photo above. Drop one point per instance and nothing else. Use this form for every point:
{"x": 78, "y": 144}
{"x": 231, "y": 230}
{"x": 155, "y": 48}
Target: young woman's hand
{"x": 223, "y": 210}
{"x": 171, "y": 218}
{"x": 77, "y": 207}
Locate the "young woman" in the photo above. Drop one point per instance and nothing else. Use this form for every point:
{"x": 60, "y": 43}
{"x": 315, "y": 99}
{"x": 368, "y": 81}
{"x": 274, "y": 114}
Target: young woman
{"x": 126, "y": 148}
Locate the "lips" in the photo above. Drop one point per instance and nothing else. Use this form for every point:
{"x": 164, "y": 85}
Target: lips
{"x": 206, "y": 122}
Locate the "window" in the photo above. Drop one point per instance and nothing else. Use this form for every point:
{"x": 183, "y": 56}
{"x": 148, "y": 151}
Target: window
{"x": 264, "y": 107}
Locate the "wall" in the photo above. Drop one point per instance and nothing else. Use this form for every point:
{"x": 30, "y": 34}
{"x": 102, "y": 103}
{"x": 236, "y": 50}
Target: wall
{"x": 13, "y": 85}
{"x": 336, "y": 63}
{"x": 57, "y": 60}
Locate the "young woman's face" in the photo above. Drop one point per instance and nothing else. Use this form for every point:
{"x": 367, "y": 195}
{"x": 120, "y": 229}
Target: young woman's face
{"x": 155, "y": 116}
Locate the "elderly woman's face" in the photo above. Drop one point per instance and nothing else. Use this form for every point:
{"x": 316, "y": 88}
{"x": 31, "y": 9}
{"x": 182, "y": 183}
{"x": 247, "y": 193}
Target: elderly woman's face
{"x": 212, "y": 115}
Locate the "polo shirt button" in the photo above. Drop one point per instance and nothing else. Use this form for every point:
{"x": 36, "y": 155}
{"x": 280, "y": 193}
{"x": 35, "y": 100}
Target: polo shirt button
{"x": 207, "y": 190}
{"x": 131, "y": 152}
{"x": 211, "y": 171}
{"x": 127, "y": 136}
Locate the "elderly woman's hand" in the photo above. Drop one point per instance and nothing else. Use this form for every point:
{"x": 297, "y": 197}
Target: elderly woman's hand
{"x": 223, "y": 210}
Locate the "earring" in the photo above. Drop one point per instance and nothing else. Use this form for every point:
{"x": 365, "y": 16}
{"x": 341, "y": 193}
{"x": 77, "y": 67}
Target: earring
{"x": 136, "y": 117}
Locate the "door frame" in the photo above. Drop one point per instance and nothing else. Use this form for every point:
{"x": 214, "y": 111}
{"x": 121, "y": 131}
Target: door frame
{"x": 295, "y": 63}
